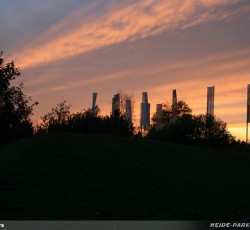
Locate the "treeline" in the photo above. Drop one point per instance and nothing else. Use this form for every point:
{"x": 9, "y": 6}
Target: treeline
{"x": 201, "y": 130}
{"x": 60, "y": 119}
{"x": 187, "y": 128}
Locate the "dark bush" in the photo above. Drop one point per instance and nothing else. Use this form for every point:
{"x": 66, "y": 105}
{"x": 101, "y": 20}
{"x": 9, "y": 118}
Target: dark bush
{"x": 202, "y": 130}
{"x": 60, "y": 120}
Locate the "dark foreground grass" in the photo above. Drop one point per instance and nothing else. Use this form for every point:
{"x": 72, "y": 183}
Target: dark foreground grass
{"x": 76, "y": 176}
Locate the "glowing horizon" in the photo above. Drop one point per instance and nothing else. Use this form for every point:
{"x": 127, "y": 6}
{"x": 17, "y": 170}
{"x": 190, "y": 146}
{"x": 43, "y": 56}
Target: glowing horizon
{"x": 68, "y": 50}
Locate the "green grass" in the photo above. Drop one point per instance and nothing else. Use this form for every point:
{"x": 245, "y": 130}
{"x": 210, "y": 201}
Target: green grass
{"x": 80, "y": 176}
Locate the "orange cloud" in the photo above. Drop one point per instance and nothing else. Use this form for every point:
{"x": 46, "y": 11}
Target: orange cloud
{"x": 132, "y": 22}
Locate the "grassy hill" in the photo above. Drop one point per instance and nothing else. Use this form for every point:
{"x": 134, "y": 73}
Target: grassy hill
{"x": 78, "y": 176}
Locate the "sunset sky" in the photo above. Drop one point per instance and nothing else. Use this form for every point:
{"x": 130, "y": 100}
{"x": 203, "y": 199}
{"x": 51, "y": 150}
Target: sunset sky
{"x": 69, "y": 49}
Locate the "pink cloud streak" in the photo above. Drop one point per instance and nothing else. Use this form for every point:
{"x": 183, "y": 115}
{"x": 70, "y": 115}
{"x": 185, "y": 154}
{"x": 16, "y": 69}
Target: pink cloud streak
{"x": 135, "y": 21}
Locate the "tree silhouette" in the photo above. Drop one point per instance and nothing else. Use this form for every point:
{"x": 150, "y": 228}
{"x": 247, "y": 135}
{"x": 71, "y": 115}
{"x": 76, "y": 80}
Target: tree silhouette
{"x": 57, "y": 119}
{"x": 85, "y": 122}
{"x": 15, "y": 110}
{"x": 197, "y": 129}
{"x": 182, "y": 109}
{"x": 123, "y": 97}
